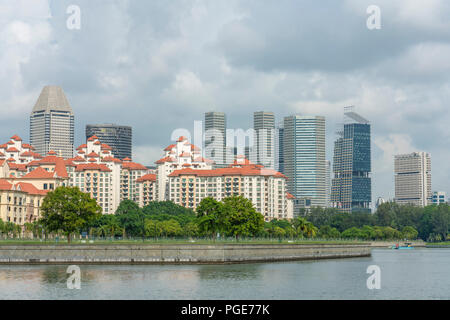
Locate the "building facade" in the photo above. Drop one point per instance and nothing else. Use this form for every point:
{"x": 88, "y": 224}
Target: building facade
{"x": 351, "y": 186}
{"x": 439, "y": 197}
{"x": 413, "y": 178}
{"x": 265, "y": 188}
{"x": 279, "y": 147}
{"x": 179, "y": 155}
{"x": 215, "y": 138}
{"x": 264, "y": 139}
{"x": 119, "y": 138}
{"x": 52, "y": 123}
{"x": 304, "y": 160}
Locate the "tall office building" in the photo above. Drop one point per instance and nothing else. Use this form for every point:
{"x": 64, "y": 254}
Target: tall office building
{"x": 119, "y": 138}
{"x": 304, "y": 160}
{"x": 351, "y": 186}
{"x": 279, "y": 147}
{"x": 264, "y": 139}
{"x": 413, "y": 178}
{"x": 215, "y": 138}
{"x": 328, "y": 179}
{"x": 52, "y": 123}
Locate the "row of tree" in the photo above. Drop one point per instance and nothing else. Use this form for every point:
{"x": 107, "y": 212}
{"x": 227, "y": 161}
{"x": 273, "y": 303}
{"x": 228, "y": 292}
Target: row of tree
{"x": 67, "y": 210}
{"x": 431, "y": 222}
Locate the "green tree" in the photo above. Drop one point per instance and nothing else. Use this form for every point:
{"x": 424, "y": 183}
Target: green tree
{"x": 68, "y": 209}
{"x": 242, "y": 218}
{"x": 212, "y": 217}
{"x": 131, "y": 218}
{"x": 409, "y": 233}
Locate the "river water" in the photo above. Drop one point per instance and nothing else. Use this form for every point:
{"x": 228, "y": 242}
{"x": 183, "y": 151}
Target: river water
{"x": 405, "y": 274}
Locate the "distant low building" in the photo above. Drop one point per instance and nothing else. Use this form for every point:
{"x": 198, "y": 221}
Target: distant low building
{"x": 439, "y": 197}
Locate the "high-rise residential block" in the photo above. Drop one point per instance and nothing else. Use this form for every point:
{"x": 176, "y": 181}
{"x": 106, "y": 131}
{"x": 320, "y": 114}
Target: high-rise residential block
{"x": 52, "y": 123}
{"x": 413, "y": 178}
{"x": 215, "y": 137}
{"x": 119, "y": 138}
{"x": 351, "y": 186}
{"x": 264, "y": 139}
{"x": 304, "y": 160}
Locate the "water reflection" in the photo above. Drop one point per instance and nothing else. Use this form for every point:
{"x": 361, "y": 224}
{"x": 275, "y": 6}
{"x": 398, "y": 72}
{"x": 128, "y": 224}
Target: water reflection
{"x": 412, "y": 274}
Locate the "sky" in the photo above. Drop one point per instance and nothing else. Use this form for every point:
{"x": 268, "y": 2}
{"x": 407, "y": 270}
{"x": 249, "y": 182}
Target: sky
{"x": 159, "y": 65}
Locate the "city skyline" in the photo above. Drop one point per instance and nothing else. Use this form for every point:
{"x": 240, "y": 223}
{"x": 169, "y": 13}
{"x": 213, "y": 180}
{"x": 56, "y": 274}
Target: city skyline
{"x": 399, "y": 80}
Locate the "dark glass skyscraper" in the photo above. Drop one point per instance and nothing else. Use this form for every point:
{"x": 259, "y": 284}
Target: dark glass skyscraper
{"x": 352, "y": 187}
{"x": 119, "y": 138}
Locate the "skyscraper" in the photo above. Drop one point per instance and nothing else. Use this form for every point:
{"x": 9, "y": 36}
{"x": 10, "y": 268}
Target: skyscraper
{"x": 279, "y": 147}
{"x": 215, "y": 137}
{"x": 304, "y": 160}
{"x": 119, "y": 138}
{"x": 328, "y": 179}
{"x": 264, "y": 138}
{"x": 413, "y": 178}
{"x": 52, "y": 123}
{"x": 351, "y": 186}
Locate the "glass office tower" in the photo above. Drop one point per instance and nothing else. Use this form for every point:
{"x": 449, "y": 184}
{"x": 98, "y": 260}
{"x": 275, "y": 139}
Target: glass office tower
{"x": 351, "y": 186}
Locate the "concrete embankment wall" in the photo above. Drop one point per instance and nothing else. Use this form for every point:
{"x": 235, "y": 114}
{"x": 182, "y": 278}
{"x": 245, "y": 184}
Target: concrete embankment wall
{"x": 388, "y": 244}
{"x": 190, "y": 253}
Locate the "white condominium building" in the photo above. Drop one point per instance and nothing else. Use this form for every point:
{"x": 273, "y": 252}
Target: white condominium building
{"x": 413, "y": 178}
{"x": 265, "y": 188}
{"x": 177, "y": 156}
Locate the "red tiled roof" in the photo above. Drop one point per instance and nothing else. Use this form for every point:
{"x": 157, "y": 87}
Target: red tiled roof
{"x": 27, "y": 146}
{"x": 60, "y": 167}
{"x": 3, "y": 146}
{"x": 5, "y": 185}
{"x": 17, "y": 166}
{"x": 164, "y": 160}
{"x": 31, "y": 189}
{"x": 39, "y": 173}
{"x": 2, "y": 154}
{"x": 106, "y": 147}
{"x": 92, "y": 160}
{"x": 78, "y": 159}
{"x": 10, "y": 142}
{"x": 186, "y": 165}
{"x": 147, "y": 177}
{"x": 97, "y": 143}
{"x": 133, "y": 166}
{"x": 126, "y": 159}
{"x": 170, "y": 147}
{"x": 289, "y": 196}
{"x": 81, "y": 152}
{"x": 250, "y": 170}
{"x": 111, "y": 159}
{"x": 182, "y": 138}
{"x": 12, "y": 149}
{"x": 92, "y": 155}
{"x": 27, "y": 154}
{"x": 92, "y": 166}
{"x": 16, "y": 138}
{"x": 82, "y": 146}
{"x": 194, "y": 148}
{"x": 93, "y": 138}
{"x": 51, "y": 153}
{"x": 11, "y": 160}
{"x": 69, "y": 162}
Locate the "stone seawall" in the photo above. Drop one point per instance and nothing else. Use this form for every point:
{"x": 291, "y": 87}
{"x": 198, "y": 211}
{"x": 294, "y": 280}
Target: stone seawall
{"x": 173, "y": 254}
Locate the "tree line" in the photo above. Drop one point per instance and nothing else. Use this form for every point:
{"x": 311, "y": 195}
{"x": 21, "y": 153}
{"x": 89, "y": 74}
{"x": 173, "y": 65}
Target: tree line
{"x": 68, "y": 211}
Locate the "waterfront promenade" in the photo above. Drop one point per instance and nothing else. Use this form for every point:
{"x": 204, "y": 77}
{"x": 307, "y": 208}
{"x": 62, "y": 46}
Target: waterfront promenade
{"x": 176, "y": 253}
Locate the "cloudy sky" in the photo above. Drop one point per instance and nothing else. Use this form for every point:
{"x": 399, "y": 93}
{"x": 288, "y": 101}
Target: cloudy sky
{"x": 158, "y": 65}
